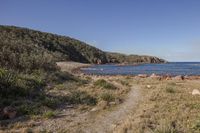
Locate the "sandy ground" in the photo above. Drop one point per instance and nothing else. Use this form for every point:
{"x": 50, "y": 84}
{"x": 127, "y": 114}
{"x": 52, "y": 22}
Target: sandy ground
{"x": 107, "y": 121}
{"x": 93, "y": 122}
{"x": 71, "y": 66}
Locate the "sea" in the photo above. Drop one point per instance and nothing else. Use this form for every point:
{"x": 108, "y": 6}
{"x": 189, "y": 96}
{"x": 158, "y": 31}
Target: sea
{"x": 171, "y": 68}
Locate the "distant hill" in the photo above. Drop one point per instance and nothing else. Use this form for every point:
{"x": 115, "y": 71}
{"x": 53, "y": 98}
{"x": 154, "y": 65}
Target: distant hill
{"x": 27, "y": 42}
{"x": 128, "y": 59}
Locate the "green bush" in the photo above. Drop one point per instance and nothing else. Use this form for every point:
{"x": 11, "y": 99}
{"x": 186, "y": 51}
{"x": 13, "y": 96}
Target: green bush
{"x": 28, "y": 109}
{"x": 13, "y": 84}
{"x": 104, "y": 84}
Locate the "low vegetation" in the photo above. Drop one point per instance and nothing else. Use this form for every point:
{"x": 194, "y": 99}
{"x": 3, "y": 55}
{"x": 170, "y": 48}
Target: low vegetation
{"x": 59, "y": 48}
{"x": 49, "y": 114}
{"x": 108, "y": 97}
{"x": 131, "y": 59}
{"x": 104, "y": 84}
{"x": 169, "y": 107}
{"x": 28, "y": 72}
{"x": 81, "y": 97}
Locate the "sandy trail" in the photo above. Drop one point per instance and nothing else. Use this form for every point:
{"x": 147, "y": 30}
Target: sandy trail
{"x": 94, "y": 122}
{"x": 107, "y": 121}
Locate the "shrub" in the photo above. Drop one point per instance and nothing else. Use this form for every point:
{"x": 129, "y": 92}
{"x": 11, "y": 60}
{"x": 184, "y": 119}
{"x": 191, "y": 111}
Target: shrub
{"x": 125, "y": 83}
{"x": 51, "y": 102}
{"x": 81, "y": 97}
{"x": 107, "y": 97}
{"x": 170, "y": 90}
{"x": 7, "y": 82}
{"x": 196, "y": 126}
{"x": 104, "y": 84}
{"x": 168, "y": 127}
{"x": 49, "y": 114}
{"x": 28, "y": 108}
{"x": 13, "y": 85}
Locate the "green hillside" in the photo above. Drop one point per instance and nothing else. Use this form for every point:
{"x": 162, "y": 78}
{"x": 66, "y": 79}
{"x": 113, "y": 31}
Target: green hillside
{"x": 122, "y": 58}
{"x": 61, "y": 48}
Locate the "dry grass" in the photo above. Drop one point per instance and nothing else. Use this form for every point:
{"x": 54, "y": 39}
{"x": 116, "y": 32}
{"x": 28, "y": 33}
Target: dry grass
{"x": 168, "y": 107}
{"x": 85, "y": 96}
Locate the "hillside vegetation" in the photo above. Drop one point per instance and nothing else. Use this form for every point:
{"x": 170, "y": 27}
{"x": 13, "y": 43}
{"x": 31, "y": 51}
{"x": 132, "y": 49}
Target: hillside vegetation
{"x": 122, "y": 58}
{"x": 63, "y": 48}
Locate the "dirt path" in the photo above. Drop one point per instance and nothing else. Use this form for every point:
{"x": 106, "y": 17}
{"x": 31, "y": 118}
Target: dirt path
{"x": 94, "y": 122}
{"x": 107, "y": 121}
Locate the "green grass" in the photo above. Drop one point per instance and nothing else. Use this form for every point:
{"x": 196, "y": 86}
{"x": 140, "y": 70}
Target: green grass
{"x": 196, "y": 126}
{"x": 26, "y": 92}
{"x": 104, "y": 84}
{"x": 107, "y": 97}
{"x": 49, "y": 114}
{"x": 81, "y": 97}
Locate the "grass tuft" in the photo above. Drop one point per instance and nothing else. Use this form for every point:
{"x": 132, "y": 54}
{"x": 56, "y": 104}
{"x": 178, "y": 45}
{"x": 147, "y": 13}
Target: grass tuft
{"x": 107, "y": 97}
{"x": 81, "y": 97}
{"x": 104, "y": 84}
{"x": 170, "y": 90}
{"x": 49, "y": 114}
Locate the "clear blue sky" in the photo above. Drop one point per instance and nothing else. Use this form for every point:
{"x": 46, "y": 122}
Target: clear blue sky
{"x": 165, "y": 28}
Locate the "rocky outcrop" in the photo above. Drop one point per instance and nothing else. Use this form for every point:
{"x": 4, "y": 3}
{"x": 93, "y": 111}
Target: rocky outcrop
{"x": 9, "y": 112}
{"x": 142, "y": 75}
{"x": 179, "y": 77}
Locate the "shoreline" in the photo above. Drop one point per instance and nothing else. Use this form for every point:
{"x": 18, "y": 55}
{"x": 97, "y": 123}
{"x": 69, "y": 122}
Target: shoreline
{"x": 75, "y": 68}
{"x": 141, "y": 75}
{"x": 160, "y": 77}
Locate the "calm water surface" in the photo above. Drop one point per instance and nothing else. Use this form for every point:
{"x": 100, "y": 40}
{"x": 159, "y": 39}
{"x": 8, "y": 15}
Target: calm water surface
{"x": 175, "y": 68}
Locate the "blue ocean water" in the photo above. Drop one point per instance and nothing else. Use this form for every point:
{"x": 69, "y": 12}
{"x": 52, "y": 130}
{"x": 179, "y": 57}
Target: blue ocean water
{"x": 173, "y": 68}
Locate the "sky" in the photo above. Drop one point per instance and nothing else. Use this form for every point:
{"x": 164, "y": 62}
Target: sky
{"x": 169, "y": 29}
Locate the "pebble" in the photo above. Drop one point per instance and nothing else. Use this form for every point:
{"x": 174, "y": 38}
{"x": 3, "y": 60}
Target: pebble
{"x": 195, "y": 92}
{"x": 148, "y": 86}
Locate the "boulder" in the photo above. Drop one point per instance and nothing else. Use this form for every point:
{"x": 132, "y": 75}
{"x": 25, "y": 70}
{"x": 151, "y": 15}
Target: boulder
{"x": 148, "y": 86}
{"x": 155, "y": 76}
{"x": 112, "y": 103}
{"x": 142, "y": 75}
{"x": 179, "y": 77}
{"x": 168, "y": 78}
{"x": 186, "y": 77}
{"x": 195, "y": 92}
{"x": 9, "y": 112}
{"x": 94, "y": 109}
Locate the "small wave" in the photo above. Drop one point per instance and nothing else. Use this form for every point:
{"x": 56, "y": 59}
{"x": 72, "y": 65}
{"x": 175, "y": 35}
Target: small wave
{"x": 91, "y": 69}
{"x": 195, "y": 65}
